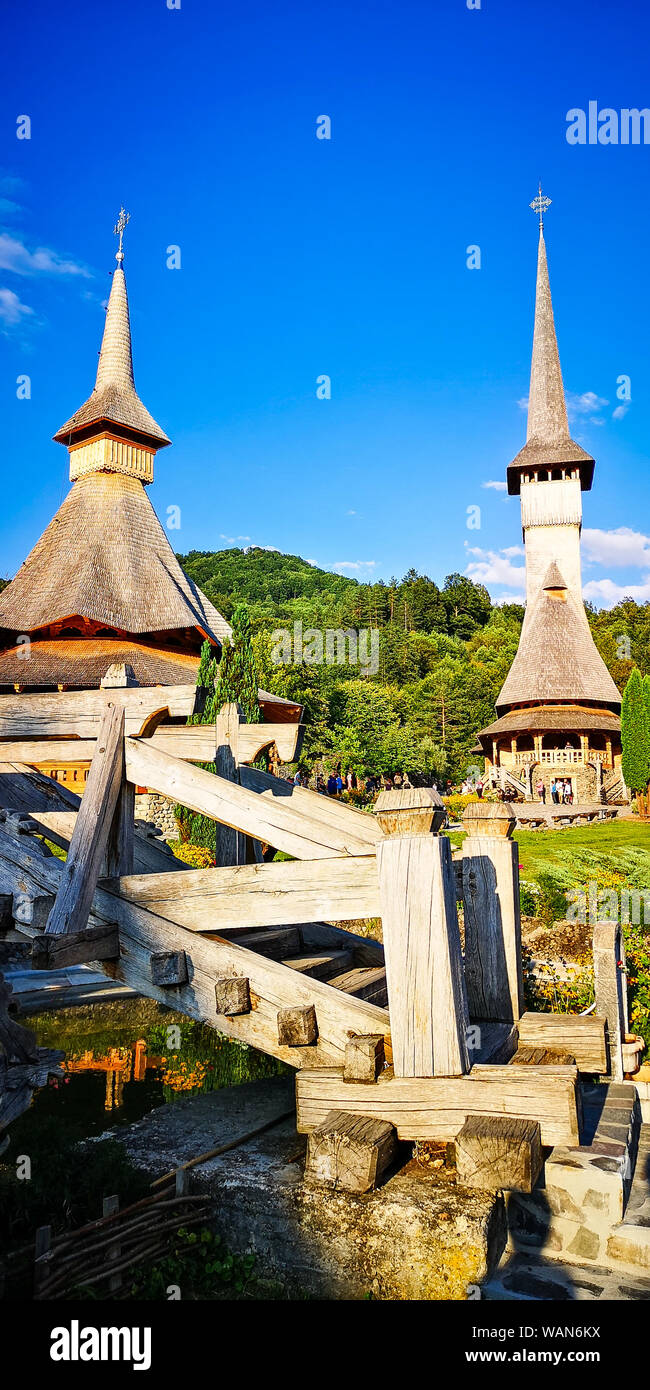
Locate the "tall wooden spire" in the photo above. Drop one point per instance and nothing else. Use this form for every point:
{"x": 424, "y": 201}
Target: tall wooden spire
{"x": 113, "y": 431}
{"x": 548, "y": 442}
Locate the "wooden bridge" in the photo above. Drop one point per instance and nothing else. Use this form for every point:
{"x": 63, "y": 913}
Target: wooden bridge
{"x": 414, "y": 1037}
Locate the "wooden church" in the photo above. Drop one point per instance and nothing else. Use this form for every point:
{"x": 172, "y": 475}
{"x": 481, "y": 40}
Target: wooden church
{"x": 558, "y": 713}
{"x": 103, "y": 587}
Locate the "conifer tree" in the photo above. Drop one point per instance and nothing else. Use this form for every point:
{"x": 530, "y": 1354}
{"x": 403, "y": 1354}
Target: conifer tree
{"x": 635, "y": 734}
{"x": 238, "y": 679}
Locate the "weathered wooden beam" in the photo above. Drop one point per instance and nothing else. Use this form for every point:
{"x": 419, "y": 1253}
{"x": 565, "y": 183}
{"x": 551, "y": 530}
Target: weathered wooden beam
{"x": 337, "y": 814}
{"x": 499, "y": 1152}
{"x": 273, "y": 986}
{"x": 79, "y": 712}
{"x": 364, "y": 1058}
{"x": 582, "y": 1035}
{"x": 493, "y": 968}
{"x": 261, "y": 895}
{"x": 349, "y": 1152}
{"x": 120, "y": 847}
{"x": 85, "y": 856}
{"x": 424, "y": 969}
{"x": 437, "y": 1107}
{"x": 230, "y": 844}
{"x": 75, "y": 948}
{"x": 254, "y": 738}
{"x": 269, "y": 820}
{"x": 610, "y": 985}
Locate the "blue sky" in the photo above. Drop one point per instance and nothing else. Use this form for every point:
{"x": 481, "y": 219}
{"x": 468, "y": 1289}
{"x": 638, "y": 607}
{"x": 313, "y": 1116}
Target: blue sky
{"x": 347, "y": 257}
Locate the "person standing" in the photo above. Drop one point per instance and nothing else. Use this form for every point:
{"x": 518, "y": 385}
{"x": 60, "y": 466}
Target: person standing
{"x": 554, "y": 791}
{"x": 331, "y": 785}
{"x": 541, "y": 791}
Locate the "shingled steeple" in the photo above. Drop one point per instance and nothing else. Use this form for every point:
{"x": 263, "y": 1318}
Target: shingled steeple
{"x": 548, "y": 442}
{"x": 113, "y": 431}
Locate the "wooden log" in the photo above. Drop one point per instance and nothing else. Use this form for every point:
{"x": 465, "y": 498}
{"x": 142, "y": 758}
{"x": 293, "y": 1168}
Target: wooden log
{"x": 426, "y": 990}
{"x": 364, "y": 1058}
{"x": 437, "y": 1107}
{"x": 297, "y": 1026}
{"x": 337, "y": 814}
{"x": 120, "y": 848}
{"x": 275, "y": 945}
{"x": 499, "y": 1152}
{"x": 78, "y": 713}
{"x": 262, "y": 895}
{"x": 75, "y": 948}
{"x": 265, "y": 819}
{"x": 254, "y": 738}
{"x": 110, "y": 1207}
{"x": 273, "y": 985}
{"x": 493, "y": 966}
{"x": 81, "y": 870}
{"x": 233, "y": 995}
{"x": 541, "y": 1057}
{"x": 169, "y": 968}
{"x": 581, "y": 1035}
{"x": 349, "y": 1152}
{"x": 610, "y": 985}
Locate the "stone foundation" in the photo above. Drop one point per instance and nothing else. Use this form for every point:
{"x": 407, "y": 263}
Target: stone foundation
{"x": 157, "y": 810}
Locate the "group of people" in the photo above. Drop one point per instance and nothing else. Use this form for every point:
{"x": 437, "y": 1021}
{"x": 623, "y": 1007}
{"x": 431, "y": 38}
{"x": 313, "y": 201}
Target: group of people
{"x": 561, "y": 789}
{"x": 339, "y": 782}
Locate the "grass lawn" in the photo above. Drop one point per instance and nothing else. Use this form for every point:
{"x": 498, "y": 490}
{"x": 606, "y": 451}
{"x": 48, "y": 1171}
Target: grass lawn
{"x": 571, "y": 855}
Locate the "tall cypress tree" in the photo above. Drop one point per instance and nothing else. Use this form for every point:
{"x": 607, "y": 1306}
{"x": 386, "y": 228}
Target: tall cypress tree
{"x": 635, "y": 734}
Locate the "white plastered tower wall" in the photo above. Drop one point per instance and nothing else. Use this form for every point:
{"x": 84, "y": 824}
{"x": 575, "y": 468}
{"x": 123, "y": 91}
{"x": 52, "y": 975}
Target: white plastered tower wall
{"x": 551, "y": 521}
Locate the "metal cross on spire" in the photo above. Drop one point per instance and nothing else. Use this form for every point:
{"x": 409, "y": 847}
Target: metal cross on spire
{"x": 118, "y": 230}
{"x": 540, "y": 204}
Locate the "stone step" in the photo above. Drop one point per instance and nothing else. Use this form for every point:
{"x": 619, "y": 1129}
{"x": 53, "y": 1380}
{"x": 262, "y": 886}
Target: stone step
{"x": 527, "y": 1278}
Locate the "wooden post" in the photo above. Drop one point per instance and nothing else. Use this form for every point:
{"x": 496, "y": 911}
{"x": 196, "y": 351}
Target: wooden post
{"x": 120, "y": 847}
{"x": 350, "y": 1151}
{"x": 230, "y": 844}
{"x": 499, "y": 1151}
{"x": 493, "y": 970}
{"x": 426, "y": 990}
{"x": 90, "y": 836}
{"x": 42, "y": 1245}
{"x": 610, "y": 983}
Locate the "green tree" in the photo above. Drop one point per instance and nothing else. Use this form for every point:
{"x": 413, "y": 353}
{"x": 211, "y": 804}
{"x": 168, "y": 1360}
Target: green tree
{"x": 237, "y": 679}
{"x": 635, "y": 733}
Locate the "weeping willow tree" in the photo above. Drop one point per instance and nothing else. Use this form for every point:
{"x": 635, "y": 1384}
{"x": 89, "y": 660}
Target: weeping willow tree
{"x": 234, "y": 679}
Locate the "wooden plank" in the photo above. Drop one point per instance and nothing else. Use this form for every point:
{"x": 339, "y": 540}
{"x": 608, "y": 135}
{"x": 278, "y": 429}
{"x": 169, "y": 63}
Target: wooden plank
{"x": 254, "y": 738}
{"x": 79, "y": 712}
{"x": 269, "y": 820}
{"x": 230, "y": 844}
{"x": 426, "y": 991}
{"x": 499, "y": 1152}
{"x": 437, "y": 1107}
{"x": 120, "y": 848}
{"x": 273, "y": 986}
{"x": 75, "y": 948}
{"x": 493, "y": 966}
{"x": 349, "y": 1152}
{"x": 582, "y": 1035}
{"x": 81, "y": 870}
{"x": 360, "y": 824}
{"x": 261, "y": 895}
{"x": 610, "y": 986}
{"x": 366, "y": 982}
{"x": 323, "y": 966}
{"x": 541, "y": 1056}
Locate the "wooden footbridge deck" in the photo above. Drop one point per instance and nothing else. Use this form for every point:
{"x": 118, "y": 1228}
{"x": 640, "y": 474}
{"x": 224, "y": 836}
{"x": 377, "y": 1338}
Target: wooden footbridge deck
{"x": 412, "y": 1035}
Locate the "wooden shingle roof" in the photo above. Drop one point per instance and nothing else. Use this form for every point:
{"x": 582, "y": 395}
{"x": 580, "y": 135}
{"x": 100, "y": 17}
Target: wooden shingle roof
{"x": 106, "y": 556}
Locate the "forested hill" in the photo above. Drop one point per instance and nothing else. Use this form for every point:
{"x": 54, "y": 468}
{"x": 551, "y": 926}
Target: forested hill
{"x": 444, "y": 652}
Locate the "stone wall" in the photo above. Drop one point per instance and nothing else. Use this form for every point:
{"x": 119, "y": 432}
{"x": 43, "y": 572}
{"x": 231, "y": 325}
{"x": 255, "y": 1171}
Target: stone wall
{"x": 157, "y": 810}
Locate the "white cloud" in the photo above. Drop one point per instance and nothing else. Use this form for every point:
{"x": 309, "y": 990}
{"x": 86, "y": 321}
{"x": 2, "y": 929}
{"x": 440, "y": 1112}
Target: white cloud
{"x": 232, "y": 540}
{"x": 620, "y": 411}
{"x": 15, "y": 256}
{"x": 494, "y": 483}
{"x": 355, "y": 564}
{"x": 12, "y": 309}
{"x": 584, "y": 406}
{"x": 509, "y": 598}
{"x": 496, "y": 567}
{"x": 608, "y": 594}
{"x": 351, "y": 512}
{"x": 621, "y": 548}
{"x": 8, "y": 207}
